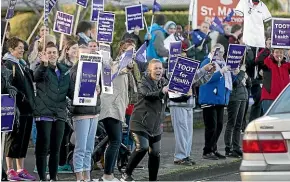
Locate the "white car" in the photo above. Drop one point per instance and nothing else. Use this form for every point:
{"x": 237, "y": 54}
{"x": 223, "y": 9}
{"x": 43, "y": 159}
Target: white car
{"x": 266, "y": 144}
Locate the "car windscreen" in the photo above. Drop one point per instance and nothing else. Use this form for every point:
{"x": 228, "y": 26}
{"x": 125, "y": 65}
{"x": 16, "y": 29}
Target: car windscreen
{"x": 283, "y": 103}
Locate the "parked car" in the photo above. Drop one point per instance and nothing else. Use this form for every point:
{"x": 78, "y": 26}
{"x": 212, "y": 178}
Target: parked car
{"x": 266, "y": 144}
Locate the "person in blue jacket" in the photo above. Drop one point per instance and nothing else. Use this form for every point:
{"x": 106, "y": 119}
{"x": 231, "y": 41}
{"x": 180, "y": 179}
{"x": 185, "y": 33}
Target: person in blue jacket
{"x": 155, "y": 48}
{"x": 213, "y": 97}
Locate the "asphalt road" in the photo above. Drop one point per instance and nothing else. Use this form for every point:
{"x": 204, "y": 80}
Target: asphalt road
{"x": 223, "y": 177}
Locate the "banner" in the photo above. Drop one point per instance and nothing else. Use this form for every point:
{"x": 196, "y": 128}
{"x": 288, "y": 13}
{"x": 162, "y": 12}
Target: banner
{"x": 174, "y": 52}
{"x": 183, "y": 75}
{"x": 10, "y": 9}
{"x": 235, "y": 55}
{"x": 215, "y": 54}
{"x": 97, "y": 6}
{"x": 125, "y": 59}
{"x": 134, "y": 17}
{"x": 141, "y": 53}
{"x": 105, "y": 32}
{"x": 280, "y": 33}
{"x": 7, "y": 112}
{"x": 87, "y": 79}
{"x": 63, "y": 23}
{"x": 208, "y": 9}
{"x": 82, "y": 3}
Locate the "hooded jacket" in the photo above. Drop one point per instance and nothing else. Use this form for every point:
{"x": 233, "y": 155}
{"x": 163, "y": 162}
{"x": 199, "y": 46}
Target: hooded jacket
{"x": 275, "y": 77}
{"x": 22, "y": 80}
{"x": 156, "y": 49}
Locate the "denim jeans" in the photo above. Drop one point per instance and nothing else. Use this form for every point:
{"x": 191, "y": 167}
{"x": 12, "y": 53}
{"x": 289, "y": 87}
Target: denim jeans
{"x": 85, "y": 132}
{"x": 34, "y": 132}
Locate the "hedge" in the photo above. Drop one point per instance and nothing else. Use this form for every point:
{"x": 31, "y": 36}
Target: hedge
{"x": 22, "y": 24}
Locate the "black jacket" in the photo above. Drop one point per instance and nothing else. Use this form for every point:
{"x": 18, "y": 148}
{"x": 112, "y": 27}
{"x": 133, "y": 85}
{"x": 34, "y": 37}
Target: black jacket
{"x": 22, "y": 80}
{"x": 149, "y": 111}
{"x": 240, "y": 91}
{"x": 51, "y": 92}
{"x": 83, "y": 110}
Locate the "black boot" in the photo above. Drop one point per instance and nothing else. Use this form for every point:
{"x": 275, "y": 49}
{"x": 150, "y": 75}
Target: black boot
{"x": 153, "y": 166}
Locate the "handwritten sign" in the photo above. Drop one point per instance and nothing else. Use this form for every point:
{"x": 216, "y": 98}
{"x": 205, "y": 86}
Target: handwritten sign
{"x": 236, "y": 53}
{"x": 280, "y": 33}
{"x": 183, "y": 75}
{"x": 134, "y": 17}
{"x": 63, "y": 23}
{"x": 105, "y": 30}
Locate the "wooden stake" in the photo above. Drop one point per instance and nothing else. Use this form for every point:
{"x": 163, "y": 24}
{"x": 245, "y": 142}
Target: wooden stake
{"x": 4, "y": 35}
{"x": 35, "y": 28}
{"x": 77, "y": 20}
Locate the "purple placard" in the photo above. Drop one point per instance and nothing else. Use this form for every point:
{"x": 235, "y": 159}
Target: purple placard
{"x": 7, "y": 112}
{"x": 125, "y": 59}
{"x": 105, "y": 31}
{"x": 88, "y": 80}
{"x": 107, "y": 75}
{"x": 82, "y": 3}
{"x": 134, "y": 17}
{"x": 10, "y": 9}
{"x": 280, "y": 33}
{"x": 97, "y": 6}
{"x": 48, "y": 5}
{"x": 235, "y": 55}
{"x": 174, "y": 52}
{"x": 183, "y": 75}
{"x": 215, "y": 55}
{"x": 141, "y": 53}
{"x": 63, "y": 23}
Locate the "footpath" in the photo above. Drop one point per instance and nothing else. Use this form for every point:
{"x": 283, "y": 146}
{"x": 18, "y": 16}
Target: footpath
{"x": 168, "y": 171}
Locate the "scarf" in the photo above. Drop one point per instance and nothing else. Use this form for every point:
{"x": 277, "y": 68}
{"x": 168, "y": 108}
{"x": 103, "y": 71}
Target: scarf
{"x": 228, "y": 77}
{"x": 85, "y": 37}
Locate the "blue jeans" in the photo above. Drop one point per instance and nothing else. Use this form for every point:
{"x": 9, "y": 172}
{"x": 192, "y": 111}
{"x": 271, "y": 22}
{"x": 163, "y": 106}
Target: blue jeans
{"x": 85, "y": 132}
{"x": 266, "y": 105}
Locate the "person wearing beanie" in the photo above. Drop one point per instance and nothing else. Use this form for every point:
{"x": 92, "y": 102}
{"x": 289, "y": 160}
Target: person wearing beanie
{"x": 155, "y": 48}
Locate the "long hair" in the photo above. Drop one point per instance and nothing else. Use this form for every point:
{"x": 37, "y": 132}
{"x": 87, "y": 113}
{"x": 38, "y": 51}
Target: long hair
{"x": 124, "y": 45}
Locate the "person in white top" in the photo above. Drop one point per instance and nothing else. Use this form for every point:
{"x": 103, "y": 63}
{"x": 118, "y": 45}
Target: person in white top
{"x": 255, "y": 13}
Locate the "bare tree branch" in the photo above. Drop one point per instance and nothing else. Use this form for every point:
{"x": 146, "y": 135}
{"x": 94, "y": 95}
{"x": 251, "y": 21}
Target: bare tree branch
{"x": 33, "y": 7}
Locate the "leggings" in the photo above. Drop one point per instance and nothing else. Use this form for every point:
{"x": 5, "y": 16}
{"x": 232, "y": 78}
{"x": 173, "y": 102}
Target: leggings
{"x": 113, "y": 129}
{"x": 144, "y": 144}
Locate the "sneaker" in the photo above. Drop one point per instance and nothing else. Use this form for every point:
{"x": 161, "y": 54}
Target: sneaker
{"x": 234, "y": 154}
{"x": 125, "y": 177}
{"x": 13, "y": 176}
{"x": 190, "y": 160}
{"x": 239, "y": 152}
{"x": 65, "y": 169}
{"x": 183, "y": 162}
{"x": 210, "y": 156}
{"x": 26, "y": 176}
{"x": 219, "y": 155}
{"x": 228, "y": 153}
{"x": 103, "y": 179}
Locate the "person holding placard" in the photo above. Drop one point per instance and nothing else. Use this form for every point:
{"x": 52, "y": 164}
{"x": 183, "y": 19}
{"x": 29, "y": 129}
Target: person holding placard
{"x": 93, "y": 46}
{"x": 113, "y": 109}
{"x": 18, "y": 140}
{"x": 275, "y": 76}
{"x": 84, "y": 32}
{"x": 213, "y": 97}
{"x": 53, "y": 85}
{"x": 135, "y": 36}
{"x": 85, "y": 122}
{"x": 70, "y": 54}
{"x": 42, "y": 31}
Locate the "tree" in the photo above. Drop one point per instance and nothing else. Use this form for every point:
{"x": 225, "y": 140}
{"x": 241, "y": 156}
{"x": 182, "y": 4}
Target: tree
{"x": 273, "y": 5}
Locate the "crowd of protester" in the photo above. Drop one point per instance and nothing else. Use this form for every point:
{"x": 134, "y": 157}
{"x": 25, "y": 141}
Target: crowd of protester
{"x": 41, "y": 76}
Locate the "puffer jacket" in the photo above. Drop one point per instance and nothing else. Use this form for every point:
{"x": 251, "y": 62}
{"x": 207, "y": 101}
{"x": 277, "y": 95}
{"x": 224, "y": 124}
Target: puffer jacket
{"x": 149, "y": 111}
{"x": 51, "y": 92}
{"x": 83, "y": 110}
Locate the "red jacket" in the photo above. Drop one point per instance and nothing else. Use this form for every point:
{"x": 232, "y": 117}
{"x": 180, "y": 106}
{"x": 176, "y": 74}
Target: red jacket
{"x": 275, "y": 78}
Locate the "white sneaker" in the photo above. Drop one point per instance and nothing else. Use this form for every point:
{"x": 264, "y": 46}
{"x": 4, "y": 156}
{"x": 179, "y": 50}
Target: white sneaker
{"x": 103, "y": 179}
